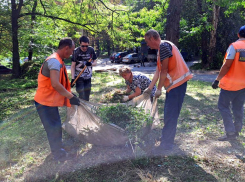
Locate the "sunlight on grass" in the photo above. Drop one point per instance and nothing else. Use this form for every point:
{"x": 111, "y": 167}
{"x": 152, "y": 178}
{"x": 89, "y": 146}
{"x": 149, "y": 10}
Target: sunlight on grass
{"x": 24, "y": 149}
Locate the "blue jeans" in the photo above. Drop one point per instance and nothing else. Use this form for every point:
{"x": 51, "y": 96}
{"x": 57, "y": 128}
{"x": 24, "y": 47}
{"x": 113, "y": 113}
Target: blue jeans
{"x": 173, "y": 104}
{"x": 235, "y": 99}
{"x": 52, "y": 124}
{"x": 83, "y": 88}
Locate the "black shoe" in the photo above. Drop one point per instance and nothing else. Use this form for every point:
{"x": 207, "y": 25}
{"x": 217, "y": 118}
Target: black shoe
{"x": 61, "y": 156}
{"x": 228, "y": 137}
{"x": 237, "y": 134}
{"x": 161, "y": 150}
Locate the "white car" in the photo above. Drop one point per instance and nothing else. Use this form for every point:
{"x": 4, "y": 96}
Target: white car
{"x": 131, "y": 58}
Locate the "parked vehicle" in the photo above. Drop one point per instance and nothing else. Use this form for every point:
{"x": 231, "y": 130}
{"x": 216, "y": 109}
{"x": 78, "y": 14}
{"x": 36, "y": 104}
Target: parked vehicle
{"x": 131, "y": 58}
{"x": 112, "y": 57}
{"x": 119, "y": 56}
{"x": 5, "y": 70}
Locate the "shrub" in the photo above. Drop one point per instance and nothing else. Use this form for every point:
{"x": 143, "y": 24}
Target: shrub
{"x": 30, "y": 70}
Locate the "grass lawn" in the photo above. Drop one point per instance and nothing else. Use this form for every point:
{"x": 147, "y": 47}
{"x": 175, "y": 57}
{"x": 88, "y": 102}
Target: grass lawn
{"x": 25, "y": 153}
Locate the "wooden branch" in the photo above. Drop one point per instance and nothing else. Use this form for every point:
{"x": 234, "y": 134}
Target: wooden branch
{"x": 63, "y": 19}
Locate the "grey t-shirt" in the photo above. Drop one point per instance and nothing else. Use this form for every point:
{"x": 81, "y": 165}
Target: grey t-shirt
{"x": 51, "y": 64}
{"x": 231, "y": 52}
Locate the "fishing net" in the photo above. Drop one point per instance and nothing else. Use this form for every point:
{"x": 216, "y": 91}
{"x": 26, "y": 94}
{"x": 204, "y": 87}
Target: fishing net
{"x": 88, "y": 122}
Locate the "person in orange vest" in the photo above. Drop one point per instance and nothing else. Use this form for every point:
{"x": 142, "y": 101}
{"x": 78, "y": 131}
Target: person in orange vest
{"x": 173, "y": 74}
{"x": 231, "y": 80}
{"x": 53, "y": 91}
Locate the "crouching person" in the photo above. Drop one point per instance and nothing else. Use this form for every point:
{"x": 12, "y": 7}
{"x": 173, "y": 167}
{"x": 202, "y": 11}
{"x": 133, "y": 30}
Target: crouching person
{"x": 54, "y": 91}
{"x": 136, "y": 83}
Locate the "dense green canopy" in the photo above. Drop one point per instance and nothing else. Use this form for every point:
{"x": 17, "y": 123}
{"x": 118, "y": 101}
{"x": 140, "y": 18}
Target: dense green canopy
{"x": 206, "y": 27}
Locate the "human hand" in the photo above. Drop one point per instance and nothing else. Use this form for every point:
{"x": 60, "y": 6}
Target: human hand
{"x": 72, "y": 80}
{"x": 147, "y": 91}
{"x": 158, "y": 93}
{"x": 75, "y": 101}
{"x": 215, "y": 84}
{"x": 88, "y": 63}
{"x": 125, "y": 98}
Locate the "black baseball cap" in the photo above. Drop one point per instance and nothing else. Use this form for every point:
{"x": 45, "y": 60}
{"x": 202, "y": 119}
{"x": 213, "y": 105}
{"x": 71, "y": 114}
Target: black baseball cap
{"x": 242, "y": 31}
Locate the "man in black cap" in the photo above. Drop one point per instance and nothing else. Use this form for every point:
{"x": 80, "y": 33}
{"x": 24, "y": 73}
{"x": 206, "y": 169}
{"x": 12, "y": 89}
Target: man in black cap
{"x": 231, "y": 80}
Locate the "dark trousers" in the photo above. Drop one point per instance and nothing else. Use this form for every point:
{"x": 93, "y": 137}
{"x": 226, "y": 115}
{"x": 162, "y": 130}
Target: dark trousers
{"x": 52, "y": 124}
{"x": 235, "y": 100}
{"x": 172, "y": 107}
{"x": 142, "y": 63}
{"x": 83, "y": 88}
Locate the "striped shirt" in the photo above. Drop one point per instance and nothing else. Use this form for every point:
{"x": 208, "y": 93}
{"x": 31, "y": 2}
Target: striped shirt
{"x": 165, "y": 51}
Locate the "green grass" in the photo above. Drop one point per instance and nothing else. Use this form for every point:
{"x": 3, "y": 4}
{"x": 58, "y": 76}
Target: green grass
{"x": 25, "y": 153}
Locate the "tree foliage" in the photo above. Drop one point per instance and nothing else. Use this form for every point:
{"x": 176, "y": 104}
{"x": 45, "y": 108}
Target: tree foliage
{"x": 114, "y": 25}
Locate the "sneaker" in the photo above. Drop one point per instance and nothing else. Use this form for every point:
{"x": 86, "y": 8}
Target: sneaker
{"x": 228, "y": 137}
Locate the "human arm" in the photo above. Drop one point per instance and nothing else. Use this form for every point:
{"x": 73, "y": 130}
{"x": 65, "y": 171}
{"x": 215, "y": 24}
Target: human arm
{"x": 224, "y": 69}
{"x": 54, "y": 77}
{"x": 94, "y": 57}
{"x": 128, "y": 90}
{"x": 155, "y": 79}
{"x": 73, "y": 67}
{"x": 163, "y": 73}
{"x": 133, "y": 95}
{"x": 94, "y": 62}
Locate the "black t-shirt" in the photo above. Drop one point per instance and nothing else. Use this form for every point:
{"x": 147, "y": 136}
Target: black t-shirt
{"x": 81, "y": 58}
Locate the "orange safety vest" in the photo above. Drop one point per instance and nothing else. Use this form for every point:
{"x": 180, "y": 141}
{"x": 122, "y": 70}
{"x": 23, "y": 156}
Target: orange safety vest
{"x": 46, "y": 94}
{"x": 235, "y": 78}
{"x": 178, "y": 71}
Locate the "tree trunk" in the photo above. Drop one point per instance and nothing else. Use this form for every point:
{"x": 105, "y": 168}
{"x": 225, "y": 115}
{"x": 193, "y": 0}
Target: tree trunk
{"x": 204, "y": 35}
{"x": 15, "y": 26}
{"x": 173, "y": 19}
{"x": 216, "y": 10}
{"x": 33, "y": 19}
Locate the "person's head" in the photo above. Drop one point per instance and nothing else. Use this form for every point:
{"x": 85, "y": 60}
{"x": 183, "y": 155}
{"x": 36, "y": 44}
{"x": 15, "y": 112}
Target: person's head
{"x": 125, "y": 72}
{"x": 84, "y": 42}
{"x": 242, "y": 32}
{"x": 66, "y": 47}
{"x": 153, "y": 39}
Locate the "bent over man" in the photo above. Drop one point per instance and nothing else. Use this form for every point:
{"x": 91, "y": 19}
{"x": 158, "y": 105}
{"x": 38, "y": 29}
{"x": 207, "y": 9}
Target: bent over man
{"x": 54, "y": 91}
{"x": 172, "y": 73}
{"x": 231, "y": 80}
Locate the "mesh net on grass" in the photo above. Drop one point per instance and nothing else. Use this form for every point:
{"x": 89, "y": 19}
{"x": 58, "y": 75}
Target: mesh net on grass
{"x": 112, "y": 125}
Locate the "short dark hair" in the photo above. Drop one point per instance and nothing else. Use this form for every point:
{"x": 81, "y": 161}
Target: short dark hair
{"x": 152, "y": 33}
{"x": 66, "y": 42}
{"x": 242, "y": 32}
{"x": 84, "y": 39}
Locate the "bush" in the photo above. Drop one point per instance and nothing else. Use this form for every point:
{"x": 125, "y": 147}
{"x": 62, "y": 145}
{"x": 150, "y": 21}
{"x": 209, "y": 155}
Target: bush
{"x": 30, "y": 70}
{"x": 132, "y": 119}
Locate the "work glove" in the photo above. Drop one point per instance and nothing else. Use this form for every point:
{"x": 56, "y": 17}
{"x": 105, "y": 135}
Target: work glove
{"x": 125, "y": 98}
{"x": 147, "y": 91}
{"x": 88, "y": 64}
{"x": 158, "y": 93}
{"x": 72, "y": 80}
{"x": 75, "y": 101}
{"x": 82, "y": 66}
{"x": 215, "y": 84}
